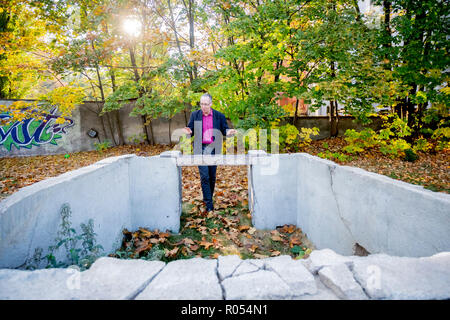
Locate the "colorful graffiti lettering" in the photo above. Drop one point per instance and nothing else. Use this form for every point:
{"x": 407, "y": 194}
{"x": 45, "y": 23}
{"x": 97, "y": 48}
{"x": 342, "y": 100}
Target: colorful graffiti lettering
{"x": 31, "y": 132}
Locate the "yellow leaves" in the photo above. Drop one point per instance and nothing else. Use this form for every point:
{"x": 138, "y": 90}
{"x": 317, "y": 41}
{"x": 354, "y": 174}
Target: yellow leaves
{"x": 445, "y": 90}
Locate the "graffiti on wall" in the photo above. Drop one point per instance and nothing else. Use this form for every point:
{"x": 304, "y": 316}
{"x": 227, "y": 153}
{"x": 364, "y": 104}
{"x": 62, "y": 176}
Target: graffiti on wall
{"x": 32, "y": 132}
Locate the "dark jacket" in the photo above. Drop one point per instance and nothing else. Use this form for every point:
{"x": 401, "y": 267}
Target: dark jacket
{"x": 219, "y": 123}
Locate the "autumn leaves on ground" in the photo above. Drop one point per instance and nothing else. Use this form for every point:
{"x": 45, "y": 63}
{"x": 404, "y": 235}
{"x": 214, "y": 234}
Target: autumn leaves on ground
{"x": 228, "y": 230}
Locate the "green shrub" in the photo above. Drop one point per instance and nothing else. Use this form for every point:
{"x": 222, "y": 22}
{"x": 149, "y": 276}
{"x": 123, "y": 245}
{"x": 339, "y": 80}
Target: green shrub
{"x": 442, "y": 137}
{"x": 137, "y": 138}
{"x": 421, "y": 144}
{"x": 394, "y": 147}
{"x": 100, "y": 147}
{"x": 67, "y": 238}
{"x": 359, "y": 141}
{"x": 410, "y": 155}
{"x": 389, "y": 140}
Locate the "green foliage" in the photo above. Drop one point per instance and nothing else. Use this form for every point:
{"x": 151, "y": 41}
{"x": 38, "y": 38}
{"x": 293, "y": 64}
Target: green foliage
{"x": 335, "y": 156}
{"x": 442, "y": 137}
{"x": 102, "y": 146}
{"x": 422, "y": 145}
{"x": 137, "y": 138}
{"x": 120, "y": 97}
{"x": 394, "y": 147}
{"x": 410, "y": 155}
{"x": 389, "y": 140}
{"x": 359, "y": 141}
{"x": 186, "y": 145}
{"x": 67, "y": 243}
{"x": 290, "y": 138}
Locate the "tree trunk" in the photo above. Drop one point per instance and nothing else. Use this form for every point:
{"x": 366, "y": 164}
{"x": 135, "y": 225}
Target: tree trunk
{"x": 296, "y": 110}
{"x": 151, "y": 130}
{"x": 333, "y": 109}
{"x": 333, "y": 119}
{"x": 170, "y": 136}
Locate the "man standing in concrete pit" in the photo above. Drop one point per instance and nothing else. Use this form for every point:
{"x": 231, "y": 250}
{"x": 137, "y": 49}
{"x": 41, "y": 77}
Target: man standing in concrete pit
{"x": 208, "y": 126}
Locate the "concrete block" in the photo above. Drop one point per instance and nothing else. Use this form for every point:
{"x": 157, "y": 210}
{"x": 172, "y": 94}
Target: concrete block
{"x": 226, "y": 265}
{"x": 319, "y": 213}
{"x": 390, "y": 216}
{"x": 274, "y": 197}
{"x": 299, "y": 279}
{"x": 256, "y": 286}
{"x": 44, "y": 284}
{"x": 340, "y": 279}
{"x": 398, "y": 278}
{"x": 245, "y": 267}
{"x": 155, "y": 193}
{"x": 191, "y": 279}
{"x": 325, "y": 257}
{"x": 112, "y": 279}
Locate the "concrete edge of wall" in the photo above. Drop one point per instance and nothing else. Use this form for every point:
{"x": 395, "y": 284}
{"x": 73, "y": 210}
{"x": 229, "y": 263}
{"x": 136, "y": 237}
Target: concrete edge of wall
{"x": 30, "y": 218}
{"x": 339, "y": 207}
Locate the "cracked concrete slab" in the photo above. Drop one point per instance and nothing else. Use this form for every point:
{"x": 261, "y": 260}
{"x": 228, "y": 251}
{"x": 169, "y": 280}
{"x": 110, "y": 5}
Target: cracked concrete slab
{"x": 257, "y": 285}
{"x": 326, "y": 257}
{"x": 388, "y": 277}
{"x": 337, "y": 277}
{"x": 340, "y": 279}
{"x": 294, "y": 274}
{"x": 190, "y": 279}
{"x": 245, "y": 267}
{"x": 108, "y": 278}
{"x": 45, "y": 284}
{"x": 226, "y": 265}
{"x": 323, "y": 293}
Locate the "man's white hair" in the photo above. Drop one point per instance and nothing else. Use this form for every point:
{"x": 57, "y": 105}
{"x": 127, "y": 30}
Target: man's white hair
{"x": 207, "y": 95}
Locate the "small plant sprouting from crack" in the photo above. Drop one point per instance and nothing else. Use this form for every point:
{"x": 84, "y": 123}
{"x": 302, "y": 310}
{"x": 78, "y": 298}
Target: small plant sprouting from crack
{"x": 68, "y": 239}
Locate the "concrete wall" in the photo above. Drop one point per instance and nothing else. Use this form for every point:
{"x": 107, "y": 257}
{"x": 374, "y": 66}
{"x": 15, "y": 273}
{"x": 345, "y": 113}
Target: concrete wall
{"x": 117, "y": 193}
{"x": 336, "y": 206}
{"x": 339, "y": 206}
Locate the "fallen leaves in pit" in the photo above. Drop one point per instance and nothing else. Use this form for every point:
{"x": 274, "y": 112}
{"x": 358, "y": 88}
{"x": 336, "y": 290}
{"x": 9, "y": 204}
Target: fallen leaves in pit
{"x": 227, "y": 230}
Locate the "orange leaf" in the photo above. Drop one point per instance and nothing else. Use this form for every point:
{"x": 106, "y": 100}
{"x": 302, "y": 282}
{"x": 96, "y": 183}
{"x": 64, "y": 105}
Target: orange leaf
{"x": 276, "y": 238}
{"x": 145, "y": 232}
{"x": 275, "y": 253}
{"x": 294, "y": 241}
{"x": 171, "y": 253}
{"x": 164, "y": 235}
{"x": 206, "y": 244}
{"x": 243, "y": 228}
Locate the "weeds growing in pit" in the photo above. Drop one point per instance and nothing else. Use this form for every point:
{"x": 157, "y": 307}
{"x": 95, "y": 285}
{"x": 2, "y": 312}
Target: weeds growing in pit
{"x": 67, "y": 243}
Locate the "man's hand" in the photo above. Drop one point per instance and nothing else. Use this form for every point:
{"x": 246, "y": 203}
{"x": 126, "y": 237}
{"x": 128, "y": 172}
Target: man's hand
{"x": 188, "y": 130}
{"x": 231, "y": 132}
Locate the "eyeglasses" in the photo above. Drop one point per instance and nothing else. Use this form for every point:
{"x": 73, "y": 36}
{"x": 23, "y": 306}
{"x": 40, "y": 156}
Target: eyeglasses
{"x": 204, "y": 104}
